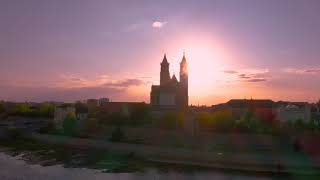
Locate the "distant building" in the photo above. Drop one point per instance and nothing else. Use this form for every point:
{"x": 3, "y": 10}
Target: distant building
{"x": 92, "y": 102}
{"x": 93, "y": 105}
{"x": 61, "y": 112}
{"x": 293, "y": 111}
{"x": 103, "y": 101}
{"x": 197, "y": 109}
{"x": 171, "y": 94}
{"x": 81, "y": 111}
{"x": 261, "y": 108}
{"x": 125, "y": 108}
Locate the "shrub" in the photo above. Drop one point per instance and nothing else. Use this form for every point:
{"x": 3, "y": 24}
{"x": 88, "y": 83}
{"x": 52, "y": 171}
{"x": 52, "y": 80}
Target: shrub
{"x": 14, "y": 133}
{"x": 170, "y": 120}
{"x": 21, "y": 109}
{"x": 50, "y": 127}
{"x": 223, "y": 120}
{"x": 45, "y": 110}
{"x": 205, "y": 120}
{"x": 2, "y": 109}
{"x": 218, "y": 121}
{"x": 251, "y": 123}
{"x": 140, "y": 115}
{"x": 117, "y": 135}
{"x": 89, "y": 126}
{"x": 69, "y": 124}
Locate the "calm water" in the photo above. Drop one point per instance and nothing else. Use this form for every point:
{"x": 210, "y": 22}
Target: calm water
{"x": 12, "y": 168}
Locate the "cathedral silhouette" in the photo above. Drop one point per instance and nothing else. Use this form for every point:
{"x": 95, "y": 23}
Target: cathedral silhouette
{"x": 171, "y": 94}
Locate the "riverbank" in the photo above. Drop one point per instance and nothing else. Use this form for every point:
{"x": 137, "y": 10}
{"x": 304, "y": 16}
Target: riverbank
{"x": 11, "y": 167}
{"x": 266, "y": 162}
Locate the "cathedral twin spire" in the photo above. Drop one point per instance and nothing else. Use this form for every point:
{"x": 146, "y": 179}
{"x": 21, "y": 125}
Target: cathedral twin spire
{"x": 165, "y": 74}
{"x": 171, "y": 92}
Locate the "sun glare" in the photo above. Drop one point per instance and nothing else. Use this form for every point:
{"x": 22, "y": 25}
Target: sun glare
{"x": 206, "y": 62}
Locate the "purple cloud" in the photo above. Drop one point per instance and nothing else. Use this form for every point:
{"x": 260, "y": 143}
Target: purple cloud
{"x": 125, "y": 83}
{"x": 256, "y": 80}
{"x": 115, "y": 90}
{"x": 302, "y": 71}
{"x": 244, "y": 76}
{"x": 250, "y": 75}
{"x": 230, "y": 71}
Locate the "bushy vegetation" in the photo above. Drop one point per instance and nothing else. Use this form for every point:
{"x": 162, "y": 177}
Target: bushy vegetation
{"x": 117, "y": 135}
{"x": 138, "y": 116}
{"x": 69, "y": 124}
{"x": 88, "y": 126}
{"x": 170, "y": 120}
{"x": 14, "y": 133}
{"x": 222, "y": 121}
{"x": 23, "y": 109}
{"x": 49, "y": 128}
{"x": 218, "y": 121}
{"x": 251, "y": 123}
{"x": 2, "y": 109}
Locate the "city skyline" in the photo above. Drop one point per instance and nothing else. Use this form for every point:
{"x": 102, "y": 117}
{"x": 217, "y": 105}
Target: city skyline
{"x": 113, "y": 49}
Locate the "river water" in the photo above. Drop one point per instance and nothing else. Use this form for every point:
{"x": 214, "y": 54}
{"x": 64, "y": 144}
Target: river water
{"x": 13, "y": 168}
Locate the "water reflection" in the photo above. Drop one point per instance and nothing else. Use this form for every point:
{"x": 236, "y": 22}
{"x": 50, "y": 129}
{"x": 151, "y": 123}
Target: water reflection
{"x": 13, "y": 168}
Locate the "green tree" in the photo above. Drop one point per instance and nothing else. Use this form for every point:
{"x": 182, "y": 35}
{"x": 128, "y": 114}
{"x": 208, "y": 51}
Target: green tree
{"x": 45, "y": 110}
{"x": 223, "y": 120}
{"x": 69, "y": 124}
{"x": 117, "y": 135}
{"x": 21, "y": 109}
{"x": 299, "y": 124}
{"x": 219, "y": 121}
{"x": 205, "y": 120}
{"x": 318, "y": 104}
{"x": 170, "y": 120}
{"x": 140, "y": 115}
{"x": 250, "y": 122}
{"x": 2, "y": 109}
{"x": 89, "y": 126}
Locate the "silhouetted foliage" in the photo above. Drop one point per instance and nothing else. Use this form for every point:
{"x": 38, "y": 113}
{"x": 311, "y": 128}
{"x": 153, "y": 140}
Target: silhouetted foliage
{"x": 299, "y": 125}
{"x": 219, "y": 121}
{"x": 89, "y": 126}
{"x": 81, "y": 107}
{"x": 170, "y": 120}
{"x": 93, "y": 109}
{"x": 20, "y": 109}
{"x": 2, "y": 109}
{"x": 42, "y": 110}
{"x": 69, "y": 124}
{"x": 45, "y": 110}
{"x": 138, "y": 116}
{"x": 50, "y": 127}
{"x": 318, "y": 104}
{"x": 14, "y": 133}
{"x": 251, "y": 123}
{"x": 117, "y": 135}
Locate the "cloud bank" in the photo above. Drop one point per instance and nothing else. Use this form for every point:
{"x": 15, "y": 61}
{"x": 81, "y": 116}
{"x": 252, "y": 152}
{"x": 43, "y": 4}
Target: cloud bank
{"x": 303, "y": 71}
{"x": 72, "y": 88}
{"x": 249, "y": 75}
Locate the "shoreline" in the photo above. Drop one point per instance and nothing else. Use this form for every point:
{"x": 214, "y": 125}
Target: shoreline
{"x": 178, "y": 156}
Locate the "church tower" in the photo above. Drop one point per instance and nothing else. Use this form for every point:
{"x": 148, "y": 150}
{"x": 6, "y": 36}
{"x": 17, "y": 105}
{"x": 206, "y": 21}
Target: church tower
{"x": 164, "y": 73}
{"x": 184, "y": 83}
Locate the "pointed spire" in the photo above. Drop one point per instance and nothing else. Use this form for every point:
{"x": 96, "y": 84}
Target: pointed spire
{"x": 165, "y": 61}
{"x": 174, "y": 78}
{"x": 184, "y": 60}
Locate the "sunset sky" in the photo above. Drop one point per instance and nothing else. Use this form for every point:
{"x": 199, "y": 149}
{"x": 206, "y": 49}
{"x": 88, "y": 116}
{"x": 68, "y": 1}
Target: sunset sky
{"x": 66, "y": 50}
